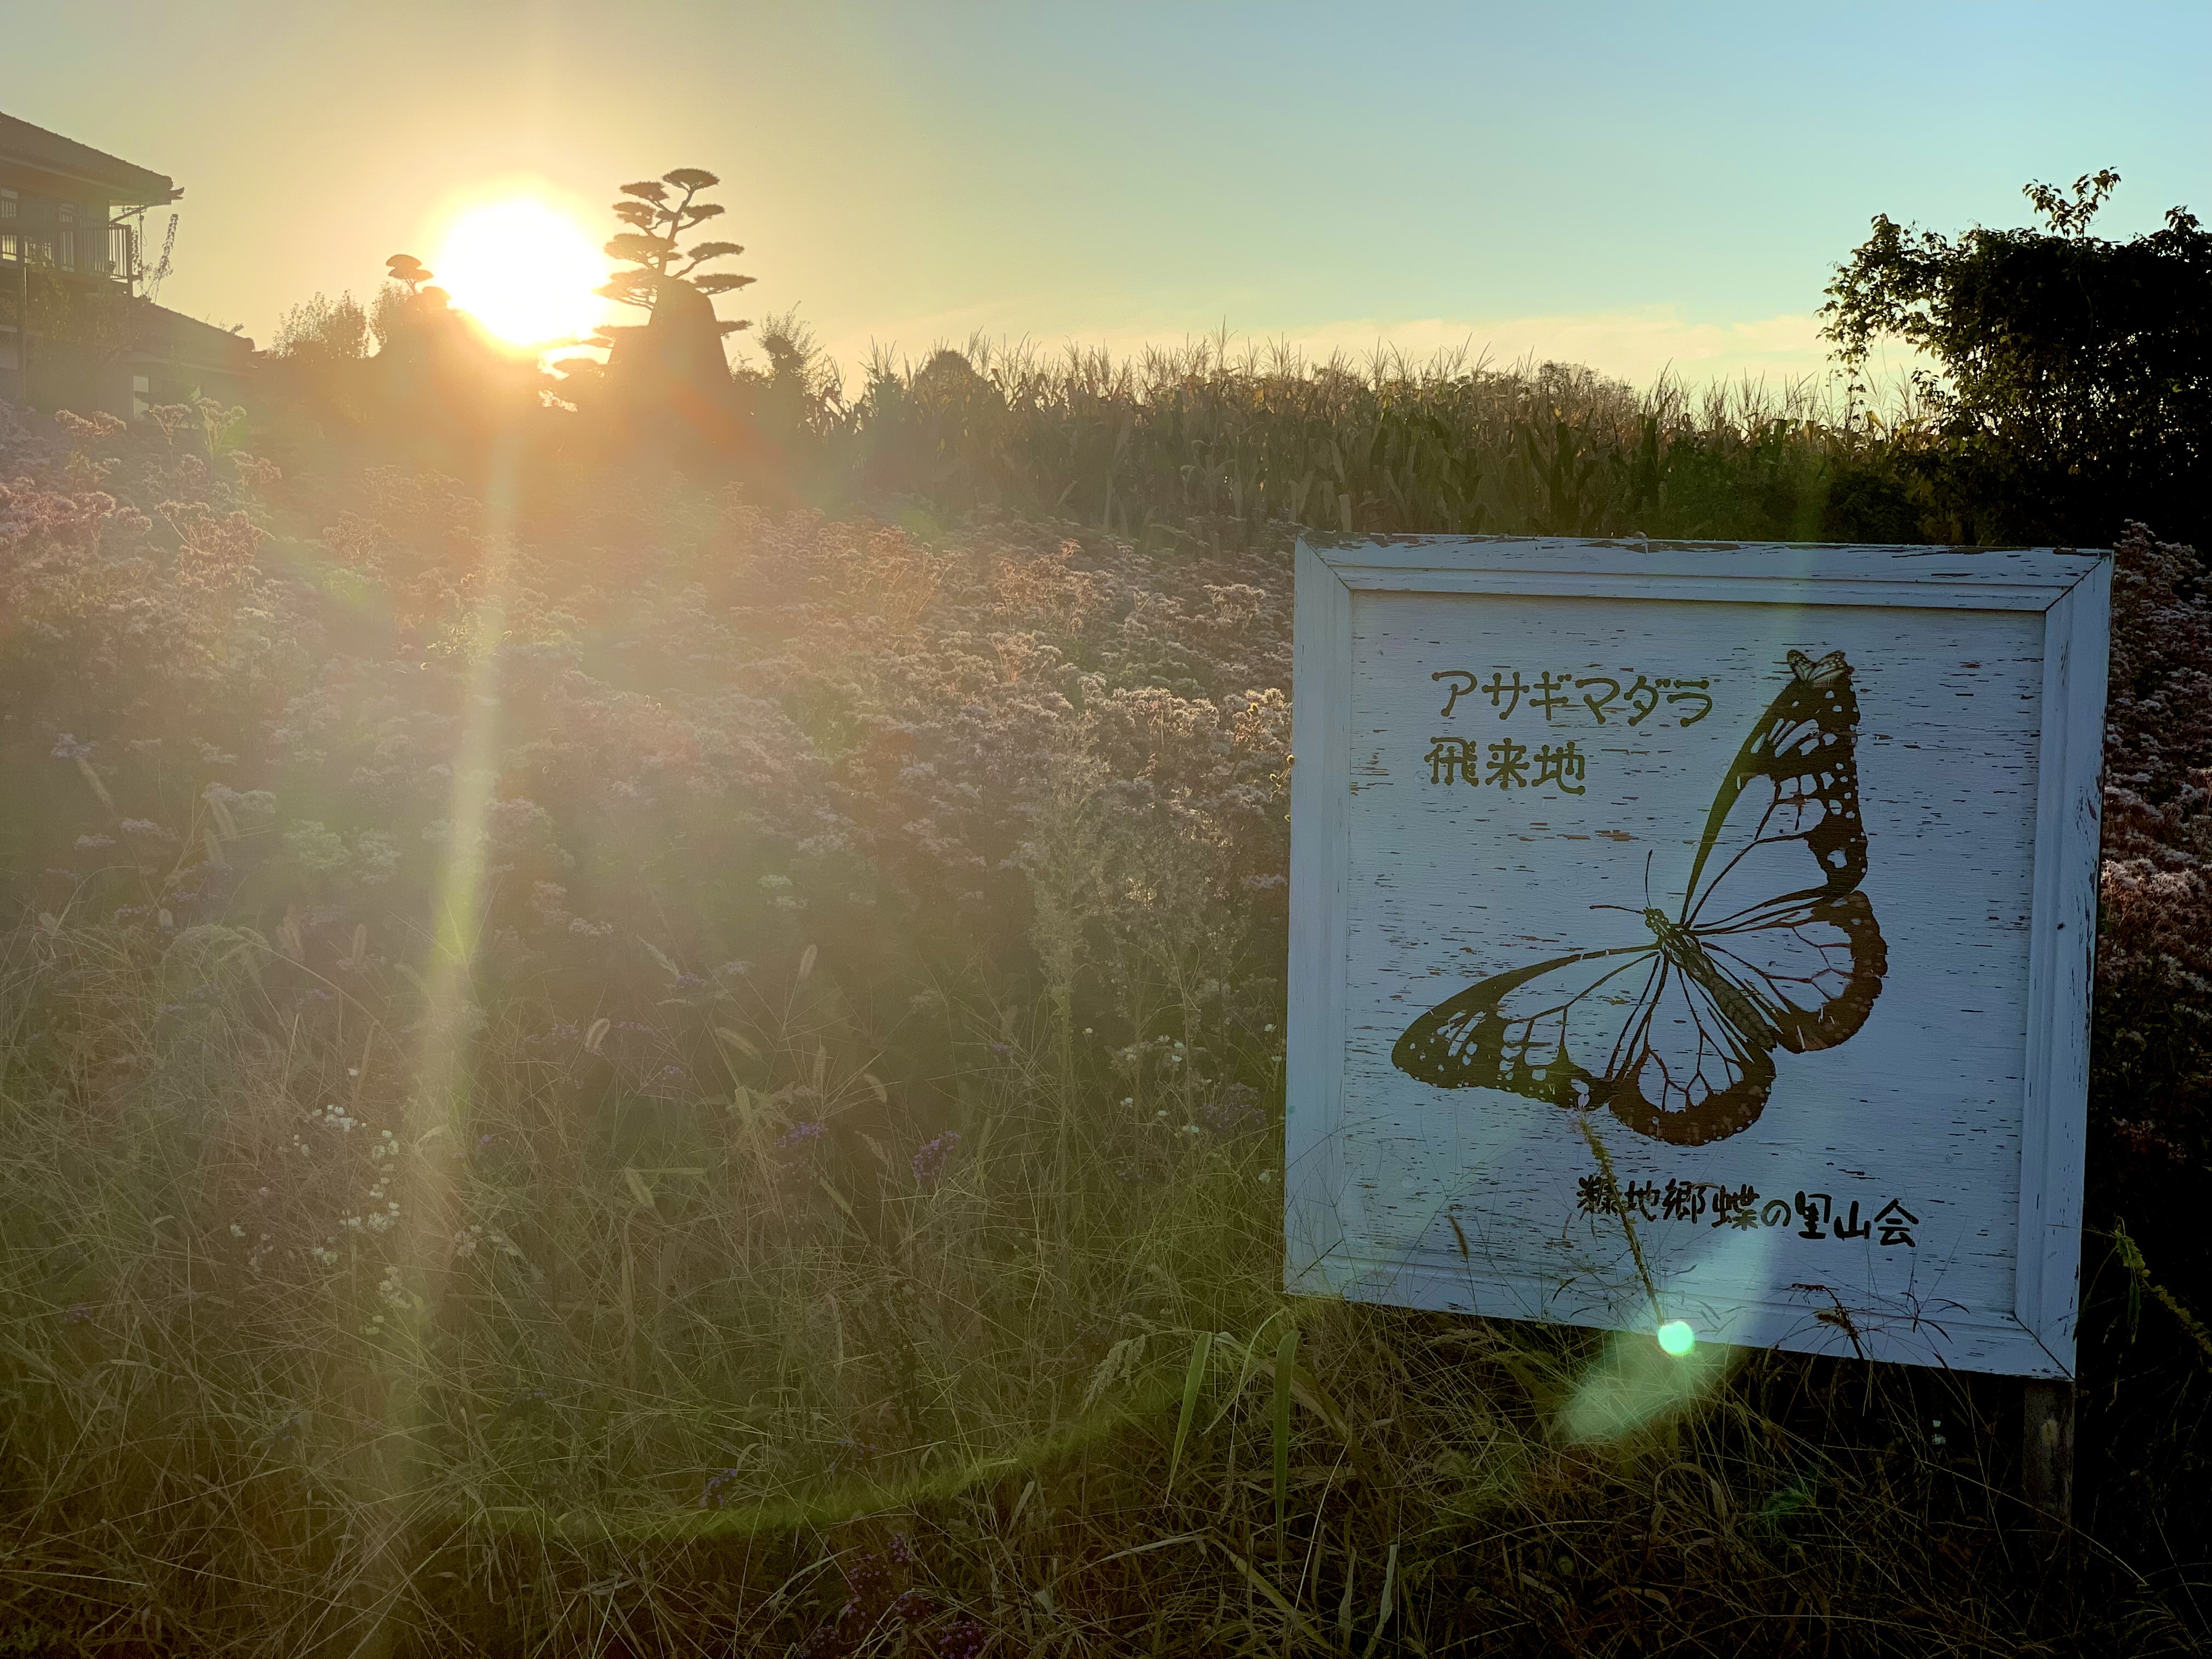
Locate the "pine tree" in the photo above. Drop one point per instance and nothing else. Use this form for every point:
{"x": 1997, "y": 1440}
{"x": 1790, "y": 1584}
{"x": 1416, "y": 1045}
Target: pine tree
{"x": 659, "y": 212}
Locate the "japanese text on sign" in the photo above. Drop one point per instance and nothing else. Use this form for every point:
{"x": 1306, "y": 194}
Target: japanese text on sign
{"x": 1608, "y": 698}
{"x": 1814, "y": 1215}
{"x": 1506, "y": 764}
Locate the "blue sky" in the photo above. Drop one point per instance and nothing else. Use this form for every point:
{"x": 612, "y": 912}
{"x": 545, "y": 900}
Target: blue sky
{"x": 1629, "y": 185}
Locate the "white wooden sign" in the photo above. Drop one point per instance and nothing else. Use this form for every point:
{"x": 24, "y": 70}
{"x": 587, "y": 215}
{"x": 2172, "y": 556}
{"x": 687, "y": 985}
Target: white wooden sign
{"x": 1697, "y": 933}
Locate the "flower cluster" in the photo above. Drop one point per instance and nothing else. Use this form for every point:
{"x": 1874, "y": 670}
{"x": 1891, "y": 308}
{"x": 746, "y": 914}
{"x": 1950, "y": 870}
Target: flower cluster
{"x": 2154, "y": 1019}
{"x": 878, "y": 1590}
{"x": 930, "y": 1156}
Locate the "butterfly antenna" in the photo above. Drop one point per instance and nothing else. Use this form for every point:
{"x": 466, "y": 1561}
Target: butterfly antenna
{"x": 1647, "y": 878}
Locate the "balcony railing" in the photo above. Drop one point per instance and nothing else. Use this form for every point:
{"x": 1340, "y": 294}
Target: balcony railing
{"x": 107, "y": 252}
{"x": 110, "y": 249}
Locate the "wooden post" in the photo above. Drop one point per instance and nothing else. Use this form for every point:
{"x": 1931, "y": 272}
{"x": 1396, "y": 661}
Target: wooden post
{"x": 2047, "y": 1426}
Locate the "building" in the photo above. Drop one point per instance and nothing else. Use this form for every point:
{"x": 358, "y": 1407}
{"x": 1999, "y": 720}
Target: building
{"x": 73, "y": 264}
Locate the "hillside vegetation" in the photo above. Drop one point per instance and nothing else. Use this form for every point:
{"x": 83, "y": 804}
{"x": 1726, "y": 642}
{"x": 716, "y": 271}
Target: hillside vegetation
{"x": 601, "y": 1058}
{"x": 587, "y": 1063}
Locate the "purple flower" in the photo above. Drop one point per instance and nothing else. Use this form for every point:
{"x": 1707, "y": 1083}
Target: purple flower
{"x": 963, "y": 1638}
{"x": 929, "y": 1159}
{"x": 869, "y": 1580}
{"x": 850, "y": 1452}
{"x": 799, "y": 1134}
{"x": 718, "y": 1488}
{"x": 911, "y": 1606}
{"x": 1237, "y": 1108}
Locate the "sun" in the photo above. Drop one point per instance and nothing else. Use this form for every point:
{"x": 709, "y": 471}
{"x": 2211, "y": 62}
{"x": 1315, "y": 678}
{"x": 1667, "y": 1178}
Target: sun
{"x": 523, "y": 270}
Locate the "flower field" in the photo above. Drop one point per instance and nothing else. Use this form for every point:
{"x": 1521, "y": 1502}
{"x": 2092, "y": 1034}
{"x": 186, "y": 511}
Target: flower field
{"x": 589, "y": 1065}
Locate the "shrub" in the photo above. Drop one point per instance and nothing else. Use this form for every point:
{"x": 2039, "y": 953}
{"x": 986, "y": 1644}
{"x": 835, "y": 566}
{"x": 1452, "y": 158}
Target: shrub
{"x": 2072, "y": 378}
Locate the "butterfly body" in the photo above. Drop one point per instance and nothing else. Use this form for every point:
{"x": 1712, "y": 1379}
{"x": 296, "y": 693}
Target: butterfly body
{"x": 1774, "y": 947}
{"x": 1679, "y": 946}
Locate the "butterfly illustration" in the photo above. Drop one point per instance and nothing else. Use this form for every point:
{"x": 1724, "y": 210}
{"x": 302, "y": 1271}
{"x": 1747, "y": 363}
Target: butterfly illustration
{"x": 1774, "y": 946}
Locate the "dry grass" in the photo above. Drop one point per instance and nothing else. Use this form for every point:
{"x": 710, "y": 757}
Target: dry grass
{"x": 419, "y": 1234}
{"x": 1239, "y": 448}
{"x": 611, "y": 1386}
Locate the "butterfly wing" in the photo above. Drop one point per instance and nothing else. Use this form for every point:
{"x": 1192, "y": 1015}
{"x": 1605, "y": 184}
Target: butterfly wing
{"x": 1812, "y": 967}
{"x": 1785, "y": 820}
{"x": 1773, "y": 900}
{"x": 1694, "y": 1067}
{"x": 1551, "y": 1032}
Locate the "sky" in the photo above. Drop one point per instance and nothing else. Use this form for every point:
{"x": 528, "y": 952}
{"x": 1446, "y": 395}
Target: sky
{"x": 1644, "y": 188}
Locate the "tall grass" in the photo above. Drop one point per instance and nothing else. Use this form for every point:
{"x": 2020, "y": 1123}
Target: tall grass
{"x": 666, "y": 1376}
{"x": 1242, "y": 447}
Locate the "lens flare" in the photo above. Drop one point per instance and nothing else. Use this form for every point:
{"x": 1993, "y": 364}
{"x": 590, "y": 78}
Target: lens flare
{"x": 1634, "y": 1384}
{"x": 523, "y": 270}
{"x": 1676, "y": 1337}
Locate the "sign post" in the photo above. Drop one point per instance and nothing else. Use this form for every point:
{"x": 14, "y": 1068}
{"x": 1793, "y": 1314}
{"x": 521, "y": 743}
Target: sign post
{"x": 1697, "y": 940}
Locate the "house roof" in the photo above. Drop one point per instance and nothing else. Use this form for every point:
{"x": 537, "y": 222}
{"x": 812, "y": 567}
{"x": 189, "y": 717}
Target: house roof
{"x": 162, "y": 330}
{"x": 34, "y": 147}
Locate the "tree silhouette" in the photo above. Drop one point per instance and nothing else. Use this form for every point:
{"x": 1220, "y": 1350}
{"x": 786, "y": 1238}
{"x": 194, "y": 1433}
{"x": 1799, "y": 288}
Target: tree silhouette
{"x": 667, "y": 380}
{"x": 2070, "y": 376}
{"x": 659, "y": 212}
{"x": 408, "y": 271}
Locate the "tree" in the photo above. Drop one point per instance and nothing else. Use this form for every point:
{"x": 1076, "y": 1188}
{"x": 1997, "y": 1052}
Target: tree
{"x": 323, "y": 328}
{"x": 669, "y": 377}
{"x": 409, "y": 272}
{"x": 666, "y": 280}
{"x": 649, "y": 247}
{"x": 435, "y": 386}
{"x": 2073, "y": 389}
{"x": 406, "y": 305}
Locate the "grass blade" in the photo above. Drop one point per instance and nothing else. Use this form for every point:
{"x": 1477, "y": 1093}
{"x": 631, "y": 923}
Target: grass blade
{"x": 1383, "y": 1614}
{"x": 1286, "y": 1359}
{"x": 1258, "y": 1581}
{"x": 1193, "y": 1379}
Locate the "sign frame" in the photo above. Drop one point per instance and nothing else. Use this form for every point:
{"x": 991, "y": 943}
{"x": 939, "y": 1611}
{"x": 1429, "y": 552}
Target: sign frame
{"x": 2070, "y": 590}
